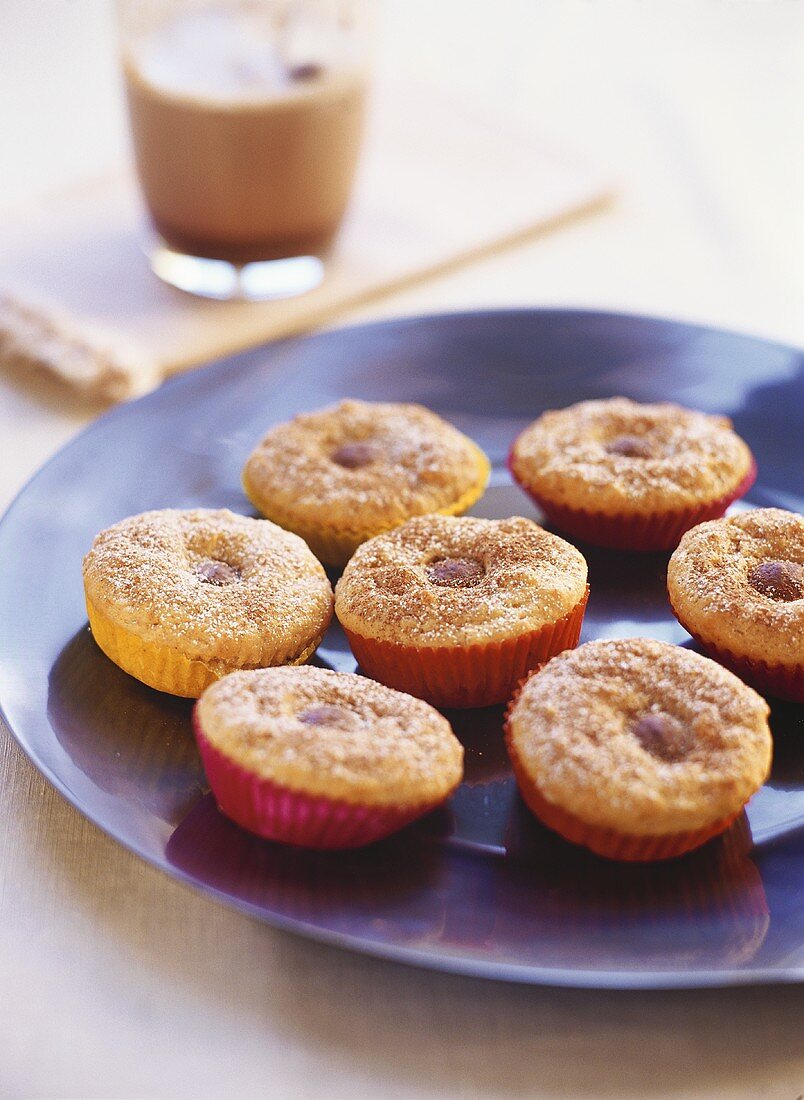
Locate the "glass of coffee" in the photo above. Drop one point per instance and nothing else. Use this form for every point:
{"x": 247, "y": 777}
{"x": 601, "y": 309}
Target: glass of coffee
{"x": 246, "y": 117}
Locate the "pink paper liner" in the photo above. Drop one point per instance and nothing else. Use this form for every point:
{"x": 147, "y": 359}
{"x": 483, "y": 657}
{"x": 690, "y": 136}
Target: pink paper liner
{"x": 466, "y": 676}
{"x": 293, "y": 817}
{"x": 780, "y": 681}
{"x": 649, "y": 532}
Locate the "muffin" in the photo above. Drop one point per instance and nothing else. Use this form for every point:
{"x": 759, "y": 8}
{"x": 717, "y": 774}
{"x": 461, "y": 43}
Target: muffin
{"x": 180, "y": 598}
{"x": 457, "y": 611}
{"x": 737, "y": 585}
{"x": 323, "y": 759}
{"x": 629, "y": 476}
{"x": 636, "y": 749}
{"x": 344, "y": 474}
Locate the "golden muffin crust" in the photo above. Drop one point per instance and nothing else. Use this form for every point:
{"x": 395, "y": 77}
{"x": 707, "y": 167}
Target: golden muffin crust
{"x": 334, "y": 734}
{"x": 445, "y": 581}
{"x": 642, "y": 737}
{"x": 216, "y": 586}
{"x": 739, "y": 583}
{"x": 364, "y": 467}
{"x": 618, "y": 456}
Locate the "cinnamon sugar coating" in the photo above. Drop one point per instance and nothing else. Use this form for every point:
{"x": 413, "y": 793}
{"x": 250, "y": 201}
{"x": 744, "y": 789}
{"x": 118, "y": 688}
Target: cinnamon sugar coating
{"x": 579, "y": 727}
{"x": 618, "y": 456}
{"x": 363, "y": 467}
{"x": 714, "y": 580}
{"x": 445, "y": 581}
{"x": 218, "y": 587}
{"x": 334, "y": 734}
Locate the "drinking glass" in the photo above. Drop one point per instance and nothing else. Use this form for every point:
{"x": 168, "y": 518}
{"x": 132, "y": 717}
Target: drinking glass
{"x": 246, "y": 118}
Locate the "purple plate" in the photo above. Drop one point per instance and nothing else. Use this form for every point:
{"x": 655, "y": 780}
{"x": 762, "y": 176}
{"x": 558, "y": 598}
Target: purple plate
{"x": 479, "y": 887}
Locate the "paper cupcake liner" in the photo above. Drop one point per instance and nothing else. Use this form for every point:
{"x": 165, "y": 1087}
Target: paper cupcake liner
{"x": 466, "y": 676}
{"x": 279, "y": 813}
{"x": 162, "y": 667}
{"x": 780, "y": 681}
{"x": 609, "y": 843}
{"x": 650, "y": 531}
{"x": 334, "y": 545}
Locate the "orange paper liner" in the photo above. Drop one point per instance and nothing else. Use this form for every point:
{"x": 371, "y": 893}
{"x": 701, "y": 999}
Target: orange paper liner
{"x": 466, "y": 676}
{"x": 279, "y": 813}
{"x": 780, "y": 681}
{"x": 334, "y": 545}
{"x": 648, "y": 532}
{"x": 605, "y": 842}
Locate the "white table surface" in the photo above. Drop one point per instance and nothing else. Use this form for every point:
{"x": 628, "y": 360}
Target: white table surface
{"x": 117, "y": 981}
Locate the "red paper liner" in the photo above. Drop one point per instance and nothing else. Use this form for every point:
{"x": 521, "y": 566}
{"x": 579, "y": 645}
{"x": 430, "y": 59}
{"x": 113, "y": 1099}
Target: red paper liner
{"x": 780, "y": 681}
{"x": 650, "y": 532}
{"x": 466, "y": 676}
{"x": 609, "y": 843}
{"x": 293, "y": 817}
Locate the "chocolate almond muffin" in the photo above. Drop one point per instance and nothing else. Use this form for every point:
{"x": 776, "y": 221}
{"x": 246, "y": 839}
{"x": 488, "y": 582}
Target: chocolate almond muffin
{"x": 636, "y": 477}
{"x": 637, "y": 749}
{"x": 458, "y": 610}
{"x": 737, "y": 585}
{"x": 343, "y": 474}
{"x": 180, "y": 598}
{"x": 323, "y": 759}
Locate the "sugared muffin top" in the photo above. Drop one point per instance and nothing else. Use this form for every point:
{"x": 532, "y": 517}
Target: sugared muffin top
{"x": 617, "y": 455}
{"x": 364, "y": 466}
{"x": 641, "y": 737}
{"x": 740, "y": 581}
{"x": 333, "y": 733}
{"x": 214, "y": 585}
{"x": 441, "y": 581}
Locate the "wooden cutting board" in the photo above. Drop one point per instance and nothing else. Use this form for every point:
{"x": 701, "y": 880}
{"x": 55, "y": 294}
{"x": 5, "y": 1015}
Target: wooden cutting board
{"x": 438, "y": 185}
